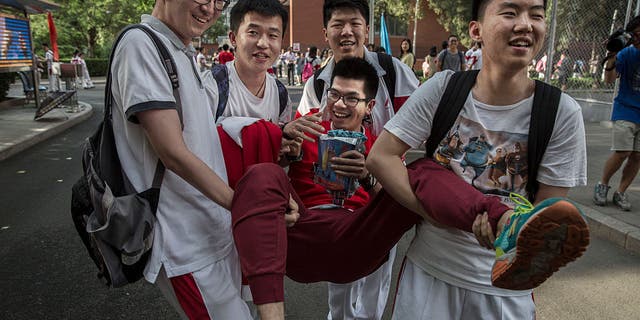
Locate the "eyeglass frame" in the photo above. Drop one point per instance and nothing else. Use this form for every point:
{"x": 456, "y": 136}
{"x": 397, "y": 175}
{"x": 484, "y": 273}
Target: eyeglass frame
{"x": 342, "y": 97}
{"x": 224, "y": 6}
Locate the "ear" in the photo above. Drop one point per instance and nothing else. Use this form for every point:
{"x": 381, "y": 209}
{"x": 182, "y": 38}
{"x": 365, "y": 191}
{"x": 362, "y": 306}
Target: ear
{"x": 324, "y": 31}
{"x": 474, "y": 31}
{"x": 370, "y": 105}
{"x": 232, "y": 38}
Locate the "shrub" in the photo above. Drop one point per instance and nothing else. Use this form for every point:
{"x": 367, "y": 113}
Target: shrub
{"x": 97, "y": 67}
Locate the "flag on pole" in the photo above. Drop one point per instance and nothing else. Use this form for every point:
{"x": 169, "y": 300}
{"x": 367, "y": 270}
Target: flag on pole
{"x": 384, "y": 36}
{"x": 53, "y": 37}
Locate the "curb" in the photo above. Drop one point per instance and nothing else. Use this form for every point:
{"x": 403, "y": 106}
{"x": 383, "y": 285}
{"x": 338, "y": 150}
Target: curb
{"x": 612, "y": 229}
{"x": 25, "y": 142}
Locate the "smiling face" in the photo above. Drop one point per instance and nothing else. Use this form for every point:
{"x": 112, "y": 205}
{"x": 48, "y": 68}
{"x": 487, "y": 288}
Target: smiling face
{"x": 186, "y": 18}
{"x": 343, "y": 116}
{"x": 512, "y": 32}
{"x": 346, "y": 32}
{"x": 404, "y": 46}
{"x": 258, "y": 42}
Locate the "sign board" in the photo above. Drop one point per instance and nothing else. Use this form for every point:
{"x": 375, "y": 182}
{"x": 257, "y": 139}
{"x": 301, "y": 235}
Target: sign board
{"x": 296, "y": 46}
{"x": 15, "y": 43}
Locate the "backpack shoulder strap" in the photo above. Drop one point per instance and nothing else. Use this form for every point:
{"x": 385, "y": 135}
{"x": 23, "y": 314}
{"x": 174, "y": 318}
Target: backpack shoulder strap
{"x": 318, "y": 85}
{"x": 386, "y": 62}
{"x": 221, "y": 74}
{"x": 451, "y": 103}
{"x": 169, "y": 66}
{"x": 546, "y": 101}
{"x": 463, "y": 60}
{"x": 283, "y": 96}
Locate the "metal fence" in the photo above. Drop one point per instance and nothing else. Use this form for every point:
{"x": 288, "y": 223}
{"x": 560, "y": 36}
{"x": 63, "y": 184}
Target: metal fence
{"x": 575, "y": 47}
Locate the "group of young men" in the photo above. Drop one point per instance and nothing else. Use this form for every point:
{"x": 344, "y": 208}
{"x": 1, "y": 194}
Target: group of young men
{"x": 227, "y": 209}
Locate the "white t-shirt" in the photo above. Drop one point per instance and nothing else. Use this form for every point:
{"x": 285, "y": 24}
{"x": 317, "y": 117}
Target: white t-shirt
{"x": 243, "y": 103}
{"x": 406, "y": 83}
{"x": 474, "y": 59}
{"x": 472, "y": 149}
{"x": 191, "y": 231}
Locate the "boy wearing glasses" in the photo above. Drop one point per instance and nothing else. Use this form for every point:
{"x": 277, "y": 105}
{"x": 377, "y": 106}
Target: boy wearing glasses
{"x": 193, "y": 260}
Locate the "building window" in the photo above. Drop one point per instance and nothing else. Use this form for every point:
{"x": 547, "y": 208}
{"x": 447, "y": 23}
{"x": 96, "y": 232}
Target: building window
{"x": 395, "y": 25}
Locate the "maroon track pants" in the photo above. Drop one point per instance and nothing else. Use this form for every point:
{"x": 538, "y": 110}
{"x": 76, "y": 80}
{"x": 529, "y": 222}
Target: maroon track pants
{"x": 338, "y": 245}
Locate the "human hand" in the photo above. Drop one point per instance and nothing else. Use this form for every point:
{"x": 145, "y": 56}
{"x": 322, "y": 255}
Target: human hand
{"x": 292, "y": 215}
{"x": 350, "y": 164}
{"x": 306, "y": 124}
{"x": 291, "y": 148}
{"x": 482, "y": 230}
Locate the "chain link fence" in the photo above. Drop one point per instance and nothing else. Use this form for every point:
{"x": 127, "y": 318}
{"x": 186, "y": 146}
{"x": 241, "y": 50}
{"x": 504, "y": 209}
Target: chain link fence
{"x": 574, "y": 49}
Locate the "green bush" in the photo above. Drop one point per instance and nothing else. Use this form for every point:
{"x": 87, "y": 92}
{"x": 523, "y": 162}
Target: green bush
{"x": 97, "y": 67}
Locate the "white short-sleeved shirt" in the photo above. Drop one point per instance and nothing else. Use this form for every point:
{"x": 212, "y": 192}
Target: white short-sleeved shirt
{"x": 191, "y": 230}
{"x": 243, "y": 103}
{"x": 406, "y": 83}
{"x": 486, "y": 145}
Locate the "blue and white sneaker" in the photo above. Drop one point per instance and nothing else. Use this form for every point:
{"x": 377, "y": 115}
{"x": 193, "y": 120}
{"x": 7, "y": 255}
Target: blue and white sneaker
{"x": 536, "y": 241}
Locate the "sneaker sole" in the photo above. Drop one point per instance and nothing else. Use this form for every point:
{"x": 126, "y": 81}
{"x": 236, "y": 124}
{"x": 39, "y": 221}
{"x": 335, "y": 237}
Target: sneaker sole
{"x": 552, "y": 238}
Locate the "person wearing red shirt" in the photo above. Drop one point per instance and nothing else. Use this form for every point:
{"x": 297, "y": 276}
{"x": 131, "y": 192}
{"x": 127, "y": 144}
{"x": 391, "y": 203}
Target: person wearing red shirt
{"x": 225, "y": 56}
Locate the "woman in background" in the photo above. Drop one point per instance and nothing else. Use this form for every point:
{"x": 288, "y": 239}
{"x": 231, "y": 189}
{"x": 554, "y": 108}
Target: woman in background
{"x": 406, "y": 53}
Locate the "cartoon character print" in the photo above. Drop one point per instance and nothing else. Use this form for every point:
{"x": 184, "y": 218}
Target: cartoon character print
{"x": 476, "y": 156}
{"x": 517, "y": 167}
{"x": 494, "y": 162}
{"x": 449, "y": 148}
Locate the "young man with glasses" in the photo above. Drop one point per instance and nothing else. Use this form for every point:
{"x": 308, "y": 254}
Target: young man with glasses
{"x": 193, "y": 259}
{"x": 451, "y": 58}
{"x": 346, "y": 26}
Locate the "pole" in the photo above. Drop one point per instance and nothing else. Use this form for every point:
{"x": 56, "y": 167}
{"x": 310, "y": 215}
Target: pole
{"x": 552, "y": 42}
{"x": 637, "y": 8}
{"x": 291, "y": 23}
{"x": 627, "y": 16}
{"x": 415, "y": 26}
{"x": 372, "y": 7}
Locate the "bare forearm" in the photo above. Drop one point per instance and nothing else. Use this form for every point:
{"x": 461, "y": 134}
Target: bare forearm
{"x": 394, "y": 178}
{"x": 610, "y": 73}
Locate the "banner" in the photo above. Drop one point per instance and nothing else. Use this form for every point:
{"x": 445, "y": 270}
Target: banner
{"x": 384, "y": 36}
{"x": 53, "y": 37}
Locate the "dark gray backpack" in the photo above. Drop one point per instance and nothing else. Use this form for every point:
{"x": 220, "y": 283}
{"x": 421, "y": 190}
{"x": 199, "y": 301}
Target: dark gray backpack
{"x": 114, "y": 222}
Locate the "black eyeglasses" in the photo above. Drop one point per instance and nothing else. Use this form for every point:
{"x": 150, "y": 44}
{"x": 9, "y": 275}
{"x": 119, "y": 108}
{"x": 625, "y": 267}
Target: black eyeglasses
{"x": 350, "y": 101}
{"x": 218, "y": 4}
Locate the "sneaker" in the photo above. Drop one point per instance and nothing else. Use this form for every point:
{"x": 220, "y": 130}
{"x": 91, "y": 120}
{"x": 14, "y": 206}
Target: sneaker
{"x": 600, "y": 194}
{"x": 621, "y": 200}
{"x": 537, "y": 241}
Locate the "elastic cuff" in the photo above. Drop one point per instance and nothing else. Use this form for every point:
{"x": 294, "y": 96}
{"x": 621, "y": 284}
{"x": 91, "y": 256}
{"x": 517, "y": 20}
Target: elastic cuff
{"x": 267, "y": 288}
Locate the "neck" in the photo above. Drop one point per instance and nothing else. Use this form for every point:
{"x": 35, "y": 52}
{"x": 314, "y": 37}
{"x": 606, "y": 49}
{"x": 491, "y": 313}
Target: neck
{"x": 255, "y": 83}
{"x": 492, "y": 84}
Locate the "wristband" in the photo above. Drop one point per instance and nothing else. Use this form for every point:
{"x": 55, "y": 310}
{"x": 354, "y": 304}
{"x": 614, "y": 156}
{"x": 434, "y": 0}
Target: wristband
{"x": 368, "y": 182}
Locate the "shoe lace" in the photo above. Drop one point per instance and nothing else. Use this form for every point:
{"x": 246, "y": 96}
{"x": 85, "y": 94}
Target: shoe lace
{"x": 523, "y": 205}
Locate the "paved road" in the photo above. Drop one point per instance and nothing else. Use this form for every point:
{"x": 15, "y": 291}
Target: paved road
{"x": 45, "y": 273}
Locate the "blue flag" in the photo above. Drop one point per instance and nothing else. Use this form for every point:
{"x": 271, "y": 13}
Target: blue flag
{"x": 384, "y": 36}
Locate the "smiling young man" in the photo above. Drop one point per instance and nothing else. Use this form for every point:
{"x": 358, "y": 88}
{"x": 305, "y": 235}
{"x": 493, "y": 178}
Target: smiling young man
{"x": 193, "y": 259}
{"x": 257, "y": 28}
{"x": 446, "y": 275}
{"x": 346, "y": 27}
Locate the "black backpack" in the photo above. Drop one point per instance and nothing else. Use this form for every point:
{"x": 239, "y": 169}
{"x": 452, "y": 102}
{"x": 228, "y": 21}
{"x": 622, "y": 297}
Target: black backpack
{"x": 386, "y": 62}
{"x": 546, "y": 100}
{"x": 114, "y": 222}
{"x": 221, "y": 74}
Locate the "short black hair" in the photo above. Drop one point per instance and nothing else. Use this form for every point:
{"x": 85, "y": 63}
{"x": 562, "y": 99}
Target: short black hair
{"x": 358, "y": 69}
{"x": 225, "y": 47}
{"x": 477, "y": 11}
{"x": 268, "y": 8}
{"x": 633, "y": 24}
{"x": 332, "y": 5}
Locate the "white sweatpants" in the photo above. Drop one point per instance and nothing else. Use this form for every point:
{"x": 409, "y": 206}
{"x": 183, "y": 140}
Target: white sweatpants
{"x": 364, "y": 298}
{"x": 421, "y": 297}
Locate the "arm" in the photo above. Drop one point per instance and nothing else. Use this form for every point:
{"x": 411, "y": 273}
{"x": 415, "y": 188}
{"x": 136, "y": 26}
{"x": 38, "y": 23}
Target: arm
{"x": 162, "y": 127}
{"x": 610, "y": 72}
{"x": 385, "y": 163}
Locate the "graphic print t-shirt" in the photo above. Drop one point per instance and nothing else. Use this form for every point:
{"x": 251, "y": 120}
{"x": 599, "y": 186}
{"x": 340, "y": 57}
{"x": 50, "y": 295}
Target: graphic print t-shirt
{"x": 487, "y": 148}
